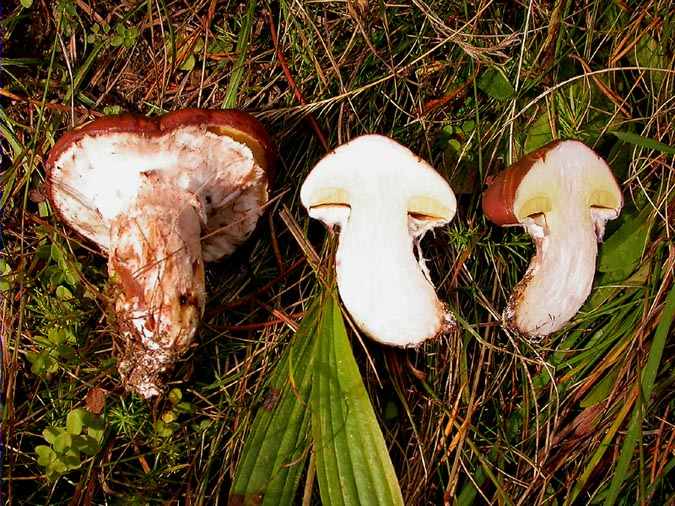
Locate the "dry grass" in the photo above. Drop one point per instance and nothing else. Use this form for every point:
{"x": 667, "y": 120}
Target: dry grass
{"x": 478, "y": 417}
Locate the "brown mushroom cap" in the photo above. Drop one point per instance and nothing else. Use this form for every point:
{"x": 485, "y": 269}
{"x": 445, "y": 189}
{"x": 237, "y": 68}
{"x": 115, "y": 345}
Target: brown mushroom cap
{"x": 238, "y": 125}
{"x": 500, "y": 195}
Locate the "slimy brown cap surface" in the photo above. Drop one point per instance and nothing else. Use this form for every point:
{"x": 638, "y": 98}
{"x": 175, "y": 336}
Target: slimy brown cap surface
{"x": 500, "y": 196}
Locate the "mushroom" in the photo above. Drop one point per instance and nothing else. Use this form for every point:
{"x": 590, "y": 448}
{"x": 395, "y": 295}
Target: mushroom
{"x": 160, "y": 197}
{"x": 384, "y": 199}
{"x": 563, "y": 194}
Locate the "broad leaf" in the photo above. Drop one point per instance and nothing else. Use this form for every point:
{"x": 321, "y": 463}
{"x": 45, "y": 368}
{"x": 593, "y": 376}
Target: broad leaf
{"x": 494, "y": 83}
{"x": 539, "y": 133}
{"x": 352, "y": 462}
{"x": 276, "y": 449}
{"x": 75, "y": 421}
{"x": 623, "y": 249}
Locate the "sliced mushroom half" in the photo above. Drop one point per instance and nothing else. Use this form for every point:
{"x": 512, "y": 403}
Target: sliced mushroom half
{"x": 563, "y": 194}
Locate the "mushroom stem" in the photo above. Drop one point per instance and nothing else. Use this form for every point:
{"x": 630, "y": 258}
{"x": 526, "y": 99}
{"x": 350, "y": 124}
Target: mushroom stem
{"x": 379, "y": 282}
{"x": 156, "y": 263}
{"x": 560, "y": 275}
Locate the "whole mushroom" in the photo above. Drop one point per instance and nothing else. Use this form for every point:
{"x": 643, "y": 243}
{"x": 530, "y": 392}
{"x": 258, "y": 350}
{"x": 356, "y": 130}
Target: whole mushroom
{"x": 384, "y": 199}
{"x": 563, "y": 194}
{"x": 160, "y": 197}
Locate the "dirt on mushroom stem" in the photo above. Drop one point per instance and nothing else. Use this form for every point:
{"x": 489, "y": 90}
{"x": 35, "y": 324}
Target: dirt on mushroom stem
{"x": 156, "y": 263}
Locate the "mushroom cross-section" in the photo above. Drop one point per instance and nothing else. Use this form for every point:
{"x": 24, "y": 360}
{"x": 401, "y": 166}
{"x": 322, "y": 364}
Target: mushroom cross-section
{"x": 563, "y": 194}
{"x": 161, "y": 196}
{"x": 384, "y": 199}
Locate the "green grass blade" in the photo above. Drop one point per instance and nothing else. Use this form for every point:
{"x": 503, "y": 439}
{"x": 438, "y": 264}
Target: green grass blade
{"x": 646, "y": 387}
{"x": 644, "y": 142}
{"x": 276, "y": 449}
{"x": 83, "y": 71}
{"x": 353, "y": 465}
{"x": 230, "y": 100}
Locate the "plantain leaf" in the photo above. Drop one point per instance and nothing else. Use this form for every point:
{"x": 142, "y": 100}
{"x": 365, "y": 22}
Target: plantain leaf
{"x": 352, "y": 462}
{"x": 276, "y": 449}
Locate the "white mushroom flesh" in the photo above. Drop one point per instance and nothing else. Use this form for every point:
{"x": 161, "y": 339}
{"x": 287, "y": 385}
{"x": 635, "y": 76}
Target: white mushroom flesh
{"x": 384, "y": 199}
{"x": 563, "y": 202}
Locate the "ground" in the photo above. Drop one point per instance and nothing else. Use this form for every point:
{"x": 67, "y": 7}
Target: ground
{"x": 477, "y": 416}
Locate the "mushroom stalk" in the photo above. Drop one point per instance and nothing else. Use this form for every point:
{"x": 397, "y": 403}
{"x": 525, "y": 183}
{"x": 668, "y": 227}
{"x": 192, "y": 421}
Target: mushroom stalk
{"x": 156, "y": 262}
{"x": 373, "y": 278}
{"x": 145, "y": 190}
{"x": 560, "y": 277}
{"x": 563, "y": 194}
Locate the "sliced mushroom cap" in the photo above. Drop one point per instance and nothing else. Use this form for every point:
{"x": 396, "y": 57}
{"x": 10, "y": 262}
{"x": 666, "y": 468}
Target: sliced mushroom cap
{"x": 384, "y": 199}
{"x": 161, "y": 196}
{"x": 563, "y": 194}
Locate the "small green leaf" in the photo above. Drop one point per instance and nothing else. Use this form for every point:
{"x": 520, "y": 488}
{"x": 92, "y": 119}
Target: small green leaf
{"x": 71, "y": 458}
{"x": 26, "y": 4}
{"x": 5, "y": 271}
{"x": 50, "y": 434}
{"x": 183, "y": 407}
{"x": 56, "y": 253}
{"x": 56, "y": 336}
{"x": 163, "y": 429}
{"x": 86, "y": 444}
{"x": 43, "y": 209}
{"x": 41, "y": 362}
{"x": 494, "y": 83}
{"x": 644, "y": 142}
{"x": 63, "y": 293}
{"x": 189, "y": 63}
{"x": 96, "y": 434}
{"x": 62, "y": 441}
{"x": 57, "y": 467}
{"x": 75, "y": 421}
{"x": 45, "y": 455}
{"x": 175, "y": 396}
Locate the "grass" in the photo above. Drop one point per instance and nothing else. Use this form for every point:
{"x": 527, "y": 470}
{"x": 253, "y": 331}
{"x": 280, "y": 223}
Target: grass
{"x": 480, "y": 416}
